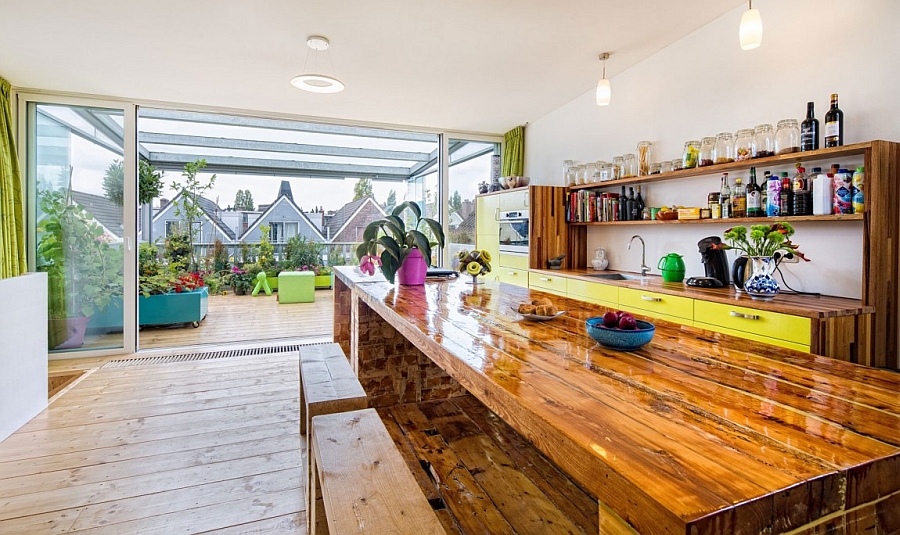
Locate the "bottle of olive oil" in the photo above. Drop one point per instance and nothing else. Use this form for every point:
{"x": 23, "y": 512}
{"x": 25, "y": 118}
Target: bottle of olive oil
{"x": 754, "y": 196}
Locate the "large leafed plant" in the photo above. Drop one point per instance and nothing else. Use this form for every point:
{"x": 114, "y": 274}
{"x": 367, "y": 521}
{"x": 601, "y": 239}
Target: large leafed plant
{"x": 397, "y": 241}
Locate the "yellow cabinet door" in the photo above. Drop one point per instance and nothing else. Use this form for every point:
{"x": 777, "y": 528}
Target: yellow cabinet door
{"x": 491, "y": 244}
{"x": 658, "y": 305}
{"x": 593, "y": 292}
{"x": 730, "y": 319}
{"x": 517, "y": 261}
{"x": 519, "y": 277}
{"x": 487, "y": 215}
{"x": 514, "y": 200}
{"x": 547, "y": 283}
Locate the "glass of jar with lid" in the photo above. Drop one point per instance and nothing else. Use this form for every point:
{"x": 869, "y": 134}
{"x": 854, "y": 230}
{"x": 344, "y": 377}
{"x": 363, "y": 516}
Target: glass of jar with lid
{"x": 707, "y": 151}
{"x": 787, "y": 137}
{"x": 579, "y": 174}
{"x": 656, "y": 168}
{"x": 590, "y": 169}
{"x": 691, "y": 154}
{"x": 743, "y": 144}
{"x": 599, "y": 167}
{"x": 618, "y": 167}
{"x": 763, "y": 141}
{"x": 569, "y": 172}
{"x": 666, "y": 166}
{"x": 630, "y": 166}
{"x": 724, "y": 152}
{"x": 643, "y": 158}
{"x": 678, "y": 164}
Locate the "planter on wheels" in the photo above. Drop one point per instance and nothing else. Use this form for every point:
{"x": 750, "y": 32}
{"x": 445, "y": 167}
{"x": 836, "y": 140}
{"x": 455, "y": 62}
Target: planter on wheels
{"x": 185, "y": 307}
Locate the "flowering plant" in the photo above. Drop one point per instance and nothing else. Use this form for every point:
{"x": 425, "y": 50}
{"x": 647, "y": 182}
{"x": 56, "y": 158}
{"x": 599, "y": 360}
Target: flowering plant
{"x": 474, "y": 263}
{"x": 368, "y": 262}
{"x": 318, "y": 269}
{"x": 762, "y": 240}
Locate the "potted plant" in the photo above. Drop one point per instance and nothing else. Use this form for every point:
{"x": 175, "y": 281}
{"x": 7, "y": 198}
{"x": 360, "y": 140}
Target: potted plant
{"x": 405, "y": 253}
{"x": 241, "y": 281}
{"x": 760, "y": 245}
{"x": 84, "y": 271}
{"x": 172, "y": 296}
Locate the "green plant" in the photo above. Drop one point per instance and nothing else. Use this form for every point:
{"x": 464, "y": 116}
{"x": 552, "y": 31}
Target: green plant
{"x": 241, "y": 281}
{"x": 150, "y": 183}
{"x": 300, "y": 251}
{"x": 397, "y": 241}
{"x": 219, "y": 256}
{"x": 188, "y": 206}
{"x": 148, "y": 259}
{"x": 266, "y": 249}
{"x": 84, "y": 272}
{"x": 762, "y": 240}
{"x": 178, "y": 250}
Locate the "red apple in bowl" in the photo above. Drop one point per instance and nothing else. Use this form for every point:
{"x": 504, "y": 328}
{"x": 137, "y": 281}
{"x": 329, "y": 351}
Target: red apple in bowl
{"x": 610, "y": 319}
{"x": 627, "y": 323}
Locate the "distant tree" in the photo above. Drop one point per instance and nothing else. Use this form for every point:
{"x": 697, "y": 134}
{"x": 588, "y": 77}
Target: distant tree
{"x": 188, "y": 206}
{"x": 455, "y": 202}
{"x": 150, "y": 182}
{"x": 391, "y": 202}
{"x": 243, "y": 200}
{"x": 362, "y": 189}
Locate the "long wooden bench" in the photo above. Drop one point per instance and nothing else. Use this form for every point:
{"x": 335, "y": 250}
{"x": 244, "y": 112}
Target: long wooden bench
{"x": 365, "y": 483}
{"x": 327, "y": 385}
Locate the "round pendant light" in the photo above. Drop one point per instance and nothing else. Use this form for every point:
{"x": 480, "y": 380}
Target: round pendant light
{"x": 315, "y": 82}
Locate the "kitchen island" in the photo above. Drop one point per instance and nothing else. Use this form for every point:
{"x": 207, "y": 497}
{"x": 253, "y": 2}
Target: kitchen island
{"x": 697, "y": 432}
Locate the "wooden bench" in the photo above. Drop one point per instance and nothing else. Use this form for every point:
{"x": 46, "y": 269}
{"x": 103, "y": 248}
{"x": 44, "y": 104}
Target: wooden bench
{"x": 327, "y": 385}
{"x": 365, "y": 483}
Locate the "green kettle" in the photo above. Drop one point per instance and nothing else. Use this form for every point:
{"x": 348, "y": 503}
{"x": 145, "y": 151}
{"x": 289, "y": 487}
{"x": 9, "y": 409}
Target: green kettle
{"x": 672, "y": 267}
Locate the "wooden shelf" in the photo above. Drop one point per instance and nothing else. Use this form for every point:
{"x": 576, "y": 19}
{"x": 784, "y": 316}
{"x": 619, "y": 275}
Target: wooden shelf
{"x": 857, "y": 149}
{"x": 735, "y": 220}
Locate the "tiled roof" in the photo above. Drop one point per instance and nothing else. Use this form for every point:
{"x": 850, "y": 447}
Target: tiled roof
{"x": 104, "y": 211}
{"x": 211, "y": 209}
{"x": 344, "y": 213}
{"x": 467, "y": 225}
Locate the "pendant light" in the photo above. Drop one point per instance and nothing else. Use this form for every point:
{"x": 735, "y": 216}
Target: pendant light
{"x": 315, "y": 82}
{"x": 751, "y": 28}
{"x": 603, "y": 90}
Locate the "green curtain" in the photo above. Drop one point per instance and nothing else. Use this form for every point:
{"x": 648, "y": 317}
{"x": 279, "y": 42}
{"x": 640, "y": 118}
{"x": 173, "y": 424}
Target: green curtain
{"x": 12, "y": 223}
{"x": 514, "y": 152}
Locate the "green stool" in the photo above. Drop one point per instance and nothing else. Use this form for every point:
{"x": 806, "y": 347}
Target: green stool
{"x": 296, "y": 287}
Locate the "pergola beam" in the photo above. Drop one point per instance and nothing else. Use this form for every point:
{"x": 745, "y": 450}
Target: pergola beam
{"x": 276, "y": 146}
{"x": 87, "y": 136}
{"x": 433, "y": 158}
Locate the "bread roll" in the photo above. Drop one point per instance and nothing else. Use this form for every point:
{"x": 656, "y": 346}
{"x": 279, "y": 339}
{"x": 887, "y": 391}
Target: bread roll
{"x": 542, "y": 301}
{"x": 525, "y": 308}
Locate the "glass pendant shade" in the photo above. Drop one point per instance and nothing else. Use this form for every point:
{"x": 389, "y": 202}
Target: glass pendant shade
{"x": 751, "y": 29}
{"x": 603, "y": 92}
{"x": 317, "y": 83}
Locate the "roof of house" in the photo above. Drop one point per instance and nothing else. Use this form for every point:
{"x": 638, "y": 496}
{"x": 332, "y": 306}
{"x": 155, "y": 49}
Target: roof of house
{"x": 210, "y": 210}
{"x": 271, "y": 207}
{"x": 346, "y": 213}
{"x": 468, "y": 224}
{"x": 106, "y": 212}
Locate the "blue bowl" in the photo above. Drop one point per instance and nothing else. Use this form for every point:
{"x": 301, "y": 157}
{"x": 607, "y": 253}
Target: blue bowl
{"x": 617, "y": 338}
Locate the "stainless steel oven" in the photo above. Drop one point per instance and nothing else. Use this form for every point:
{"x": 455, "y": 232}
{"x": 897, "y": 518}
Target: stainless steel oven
{"x": 514, "y": 232}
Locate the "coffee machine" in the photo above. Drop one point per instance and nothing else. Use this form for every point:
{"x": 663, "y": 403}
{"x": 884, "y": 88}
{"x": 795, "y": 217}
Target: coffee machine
{"x": 715, "y": 263}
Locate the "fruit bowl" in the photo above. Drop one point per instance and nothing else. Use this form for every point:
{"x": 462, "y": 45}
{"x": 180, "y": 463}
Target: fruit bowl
{"x": 615, "y": 338}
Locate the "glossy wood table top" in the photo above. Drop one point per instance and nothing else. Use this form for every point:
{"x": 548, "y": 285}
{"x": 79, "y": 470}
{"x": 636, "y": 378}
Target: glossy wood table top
{"x": 696, "y": 432}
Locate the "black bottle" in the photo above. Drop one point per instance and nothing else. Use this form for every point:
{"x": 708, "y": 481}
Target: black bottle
{"x": 640, "y": 204}
{"x": 623, "y": 206}
{"x": 809, "y": 130}
{"x": 834, "y": 124}
{"x": 632, "y": 205}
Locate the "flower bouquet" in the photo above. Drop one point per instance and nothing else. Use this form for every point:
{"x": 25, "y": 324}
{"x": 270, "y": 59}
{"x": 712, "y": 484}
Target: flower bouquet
{"x": 760, "y": 245}
{"x": 474, "y": 263}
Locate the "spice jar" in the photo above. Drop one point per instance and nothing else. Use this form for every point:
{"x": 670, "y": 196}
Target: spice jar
{"x": 715, "y": 209}
{"x": 678, "y": 163}
{"x": 655, "y": 168}
{"x": 643, "y": 157}
{"x": 599, "y": 165}
{"x": 569, "y": 172}
{"x": 579, "y": 175}
{"x": 589, "y": 169}
{"x": 707, "y": 151}
{"x": 763, "y": 141}
{"x": 743, "y": 144}
{"x": 787, "y": 137}
{"x": 691, "y": 154}
{"x": 724, "y": 152}
{"x": 618, "y": 167}
{"x": 666, "y": 166}
{"x": 630, "y": 168}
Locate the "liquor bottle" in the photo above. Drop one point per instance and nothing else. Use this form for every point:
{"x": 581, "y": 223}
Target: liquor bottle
{"x": 725, "y": 197}
{"x": 834, "y": 124}
{"x": 623, "y": 206}
{"x": 632, "y": 206}
{"x": 640, "y": 203}
{"x": 753, "y": 196}
{"x": 785, "y": 197}
{"x": 738, "y": 199}
{"x": 809, "y": 130}
{"x": 773, "y": 196}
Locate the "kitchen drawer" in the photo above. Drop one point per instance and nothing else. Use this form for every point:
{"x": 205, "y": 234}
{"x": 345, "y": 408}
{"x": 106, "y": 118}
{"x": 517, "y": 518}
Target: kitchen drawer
{"x": 681, "y": 308}
{"x": 751, "y": 336}
{"x": 548, "y": 283}
{"x": 785, "y": 327}
{"x": 517, "y": 261}
{"x": 519, "y": 277}
{"x": 594, "y": 292}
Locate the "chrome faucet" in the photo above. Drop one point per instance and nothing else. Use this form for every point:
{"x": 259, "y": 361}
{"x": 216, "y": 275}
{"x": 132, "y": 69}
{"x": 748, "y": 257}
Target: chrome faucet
{"x": 644, "y": 268}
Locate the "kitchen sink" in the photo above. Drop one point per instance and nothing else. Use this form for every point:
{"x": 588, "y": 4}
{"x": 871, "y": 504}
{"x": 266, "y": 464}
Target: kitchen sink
{"x": 616, "y": 276}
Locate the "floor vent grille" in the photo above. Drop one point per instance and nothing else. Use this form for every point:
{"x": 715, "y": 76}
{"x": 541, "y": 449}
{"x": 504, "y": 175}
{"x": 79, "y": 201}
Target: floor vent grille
{"x": 209, "y": 355}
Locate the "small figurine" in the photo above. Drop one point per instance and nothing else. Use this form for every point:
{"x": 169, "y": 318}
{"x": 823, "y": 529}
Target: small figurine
{"x": 556, "y": 263}
{"x": 483, "y": 187}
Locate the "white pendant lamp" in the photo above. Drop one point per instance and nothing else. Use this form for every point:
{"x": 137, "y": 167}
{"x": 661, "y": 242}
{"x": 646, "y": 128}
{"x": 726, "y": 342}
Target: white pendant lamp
{"x": 315, "y": 82}
{"x": 751, "y": 28}
{"x": 603, "y": 90}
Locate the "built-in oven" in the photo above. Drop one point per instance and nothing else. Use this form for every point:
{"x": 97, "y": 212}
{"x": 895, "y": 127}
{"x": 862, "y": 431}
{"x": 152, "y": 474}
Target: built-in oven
{"x": 514, "y": 232}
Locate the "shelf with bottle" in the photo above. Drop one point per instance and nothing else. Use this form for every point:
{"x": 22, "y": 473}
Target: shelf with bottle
{"x": 731, "y": 220}
{"x": 858, "y": 149}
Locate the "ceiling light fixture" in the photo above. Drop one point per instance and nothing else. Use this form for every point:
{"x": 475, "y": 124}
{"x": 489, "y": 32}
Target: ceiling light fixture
{"x": 315, "y": 82}
{"x": 751, "y": 28}
{"x": 603, "y": 90}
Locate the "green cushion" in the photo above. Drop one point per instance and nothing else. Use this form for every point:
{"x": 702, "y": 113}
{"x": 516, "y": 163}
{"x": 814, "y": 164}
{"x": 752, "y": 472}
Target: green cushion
{"x": 296, "y": 287}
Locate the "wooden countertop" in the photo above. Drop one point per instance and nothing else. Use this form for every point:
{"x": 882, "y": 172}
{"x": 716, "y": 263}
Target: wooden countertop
{"x": 817, "y": 307}
{"x": 697, "y": 432}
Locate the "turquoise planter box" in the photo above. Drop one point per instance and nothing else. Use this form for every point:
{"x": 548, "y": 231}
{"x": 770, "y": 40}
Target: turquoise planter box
{"x": 186, "y": 307}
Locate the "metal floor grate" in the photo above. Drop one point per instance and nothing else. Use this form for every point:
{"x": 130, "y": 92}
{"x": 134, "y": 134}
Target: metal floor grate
{"x": 209, "y": 355}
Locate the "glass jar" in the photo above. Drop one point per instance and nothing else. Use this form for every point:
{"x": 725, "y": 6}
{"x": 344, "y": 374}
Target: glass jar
{"x": 643, "y": 158}
{"x": 656, "y": 168}
{"x": 763, "y": 141}
{"x": 590, "y": 169}
{"x": 599, "y": 165}
{"x": 579, "y": 175}
{"x": 678, "y": 163}
{"x": 630, "y": 166}
{"x": 787, "y": 137}
{"x": 618, "y": 167}
{"x": 691, "y": 154}
{"x": 707, "y": 151}
{"x": 743, "y": 144}
{"x": 569, "y": 172}
{"x": 666, "y": 166}
{"x": 724, "y": 152}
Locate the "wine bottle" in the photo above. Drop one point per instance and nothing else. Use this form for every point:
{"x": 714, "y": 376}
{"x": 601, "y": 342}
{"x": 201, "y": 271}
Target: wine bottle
{"x": 640, "y": 203}
{"x": 725, "y": 197}
{"x": 809, "y": 129}
{"x": 834, "y": 124}
{"x": 623, "y": 206}
{"x": 754, "y": 197}
{"x": 632, "y": 206}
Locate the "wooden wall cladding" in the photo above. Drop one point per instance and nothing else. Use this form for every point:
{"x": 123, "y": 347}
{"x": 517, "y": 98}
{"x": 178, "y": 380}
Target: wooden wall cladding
{"x": 549, "y": 235}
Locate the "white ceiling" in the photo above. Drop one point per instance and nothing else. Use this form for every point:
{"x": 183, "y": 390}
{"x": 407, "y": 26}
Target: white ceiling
{"x": 465, "y": 65}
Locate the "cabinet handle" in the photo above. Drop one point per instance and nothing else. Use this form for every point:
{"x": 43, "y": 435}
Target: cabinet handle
{"x": 654, "y": 299}
{"x": 745, "y": 316}
{"x": 546, "y": 279}
{"x": 513, "y": 273}
{"x": 526, "y": 199}
{"x": 496, "y": 214}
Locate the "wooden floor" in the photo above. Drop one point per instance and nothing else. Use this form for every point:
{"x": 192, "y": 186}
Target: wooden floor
{"x": 204, "y": 446}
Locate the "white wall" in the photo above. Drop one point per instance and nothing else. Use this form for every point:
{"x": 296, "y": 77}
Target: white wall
{"x": 705, "y": 84}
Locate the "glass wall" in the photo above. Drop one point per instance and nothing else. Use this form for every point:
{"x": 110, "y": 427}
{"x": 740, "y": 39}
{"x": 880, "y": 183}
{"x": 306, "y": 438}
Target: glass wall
{"x": 470, "y": 165}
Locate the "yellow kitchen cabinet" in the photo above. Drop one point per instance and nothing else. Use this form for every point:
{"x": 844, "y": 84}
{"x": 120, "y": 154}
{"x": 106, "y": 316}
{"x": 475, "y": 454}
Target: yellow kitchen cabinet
{"x": 593, "y": 292}
{"x": 491, "y": 244}
{"x": 517, "y": 261}
{"x": 547, "y": 283}
{"x": 519, "y": 277}
{"x": 774, "y": 328}
{"x": 514, "y": 200}
{"x": 658, "y": 305}
{"x": 487, "y": 215}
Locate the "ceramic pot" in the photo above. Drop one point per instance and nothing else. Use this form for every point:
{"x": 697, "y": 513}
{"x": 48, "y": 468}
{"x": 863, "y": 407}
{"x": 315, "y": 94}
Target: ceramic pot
{"x": 413, "y": 269}
{"x": 67, "y": 333}
{"x": 761, "y": 284}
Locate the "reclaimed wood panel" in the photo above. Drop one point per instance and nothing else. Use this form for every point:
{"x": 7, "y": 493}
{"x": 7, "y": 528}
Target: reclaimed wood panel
{"x": 549, "y": 234}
